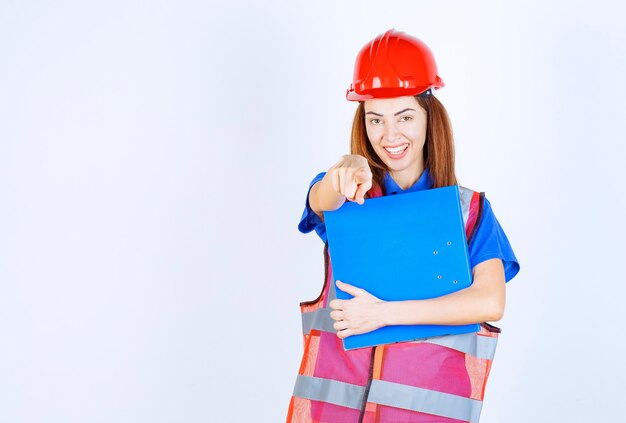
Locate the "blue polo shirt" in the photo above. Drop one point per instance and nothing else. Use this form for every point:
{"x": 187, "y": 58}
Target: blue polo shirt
{"x": 489, "y": 240}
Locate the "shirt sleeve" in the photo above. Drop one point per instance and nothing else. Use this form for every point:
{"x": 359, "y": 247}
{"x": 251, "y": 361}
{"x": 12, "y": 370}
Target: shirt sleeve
{"x": 490, "y": 241}
{"x": 310, "y": 220}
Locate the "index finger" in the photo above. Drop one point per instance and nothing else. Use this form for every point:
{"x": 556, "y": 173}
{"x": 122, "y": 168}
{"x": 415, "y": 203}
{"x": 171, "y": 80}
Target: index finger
{"x": 362, "y": 190}
{"x": 362, "y": 175}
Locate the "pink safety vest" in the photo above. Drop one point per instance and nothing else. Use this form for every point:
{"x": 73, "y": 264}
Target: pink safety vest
{"x": 436, "y": 380}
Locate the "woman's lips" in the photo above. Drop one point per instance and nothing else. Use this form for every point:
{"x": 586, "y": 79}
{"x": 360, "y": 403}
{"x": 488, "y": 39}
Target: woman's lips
{"x": 397, "y": 155}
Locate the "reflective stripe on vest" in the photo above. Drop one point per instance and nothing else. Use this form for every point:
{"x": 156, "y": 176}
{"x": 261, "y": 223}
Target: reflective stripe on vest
{"x": 424, "y": 401}
{"x": 390, "y": 394}
{"x": 329, "y": 390}
{"x": 468, "y": 343}
{"x": 322, "y": 392}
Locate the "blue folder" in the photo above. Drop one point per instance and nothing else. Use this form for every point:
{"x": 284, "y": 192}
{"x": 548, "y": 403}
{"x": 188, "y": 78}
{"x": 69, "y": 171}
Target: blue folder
{"x": 401, "y": 247}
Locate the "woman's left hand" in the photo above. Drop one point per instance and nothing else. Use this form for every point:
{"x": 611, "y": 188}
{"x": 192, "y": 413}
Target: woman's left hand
{"x": 361, "y": 314}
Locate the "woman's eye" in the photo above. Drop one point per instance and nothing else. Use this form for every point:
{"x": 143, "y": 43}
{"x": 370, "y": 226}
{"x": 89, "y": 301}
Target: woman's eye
{"x": 406, "y": 118}
{"x": 375, "y": 121}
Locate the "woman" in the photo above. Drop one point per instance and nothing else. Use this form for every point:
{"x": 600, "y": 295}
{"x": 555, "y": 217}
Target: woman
{"x": 401, "y": 142}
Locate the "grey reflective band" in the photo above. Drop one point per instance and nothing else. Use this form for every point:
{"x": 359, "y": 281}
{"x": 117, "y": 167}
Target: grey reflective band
{"x": 470, "y": 343}
{"x": 318, "y": 319}
{"x": 328, "y": 390}
{"x": 424, "y": 401}
{"x": 332, "y": 293}
{"x": 466, "y": 199}
{"x": 390, "y": 394}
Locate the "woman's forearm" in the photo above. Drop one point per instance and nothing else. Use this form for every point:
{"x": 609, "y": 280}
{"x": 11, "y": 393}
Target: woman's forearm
{"x": 323, "y": 197}
{"x": 481, "y": 302}
{"x": 459, "y": 308}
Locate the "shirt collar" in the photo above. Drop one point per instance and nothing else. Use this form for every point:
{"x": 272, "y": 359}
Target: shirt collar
{"x": 425, "y": 181}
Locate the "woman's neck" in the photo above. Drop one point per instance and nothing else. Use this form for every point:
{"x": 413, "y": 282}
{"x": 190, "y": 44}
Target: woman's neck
{"x": 407, "y": 177}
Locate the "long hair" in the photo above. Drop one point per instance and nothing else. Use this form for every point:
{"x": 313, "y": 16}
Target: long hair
{"x": 438, "y": 148}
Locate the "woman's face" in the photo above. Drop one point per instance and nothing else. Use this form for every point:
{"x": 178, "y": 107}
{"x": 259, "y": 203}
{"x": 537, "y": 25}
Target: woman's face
{"x": 396, "y": 128}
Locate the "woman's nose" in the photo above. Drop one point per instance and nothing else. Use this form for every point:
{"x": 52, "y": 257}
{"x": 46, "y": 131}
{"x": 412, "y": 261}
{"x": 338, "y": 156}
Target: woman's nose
{"x": 391, "y": 132}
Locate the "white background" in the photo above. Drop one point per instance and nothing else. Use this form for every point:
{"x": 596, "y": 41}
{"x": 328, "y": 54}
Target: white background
{"x": 154, "y": 161}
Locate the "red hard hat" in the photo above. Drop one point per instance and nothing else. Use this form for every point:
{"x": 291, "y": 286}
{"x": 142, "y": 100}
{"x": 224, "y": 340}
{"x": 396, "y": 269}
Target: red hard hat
{"x": 393, "y": 64}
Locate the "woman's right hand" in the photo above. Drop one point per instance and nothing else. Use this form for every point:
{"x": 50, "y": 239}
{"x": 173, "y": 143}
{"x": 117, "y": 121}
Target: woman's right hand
{"x": 351, "y": 177}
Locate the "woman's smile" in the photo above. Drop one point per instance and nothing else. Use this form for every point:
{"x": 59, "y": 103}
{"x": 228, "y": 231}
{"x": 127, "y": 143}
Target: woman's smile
{"x": 397, "y": 152}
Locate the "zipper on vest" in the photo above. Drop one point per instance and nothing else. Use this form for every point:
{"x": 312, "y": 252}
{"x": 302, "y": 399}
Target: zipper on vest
{"x": 367, "y": 387}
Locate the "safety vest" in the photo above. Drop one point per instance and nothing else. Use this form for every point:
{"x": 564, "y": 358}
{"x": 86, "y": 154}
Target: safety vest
{"x": 435, "y": 380}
